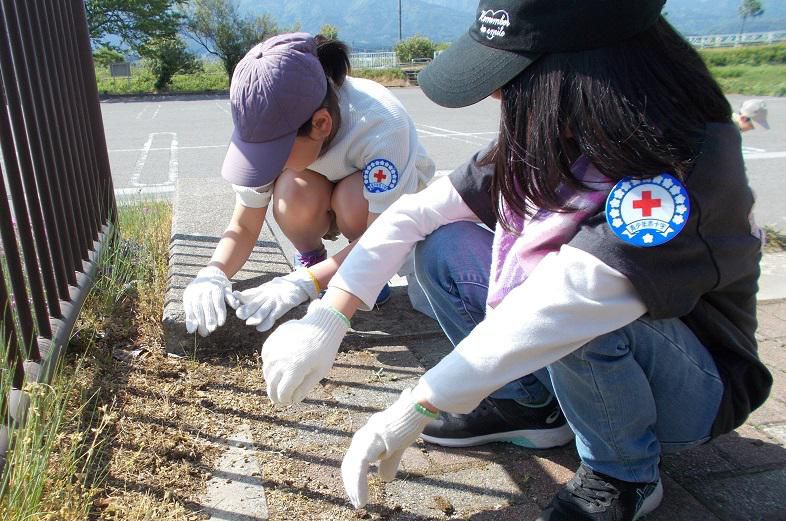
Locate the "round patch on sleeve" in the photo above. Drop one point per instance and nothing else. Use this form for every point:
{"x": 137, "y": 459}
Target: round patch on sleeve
{"x": 648, "y": 212}
{"x": 380, "y": 175}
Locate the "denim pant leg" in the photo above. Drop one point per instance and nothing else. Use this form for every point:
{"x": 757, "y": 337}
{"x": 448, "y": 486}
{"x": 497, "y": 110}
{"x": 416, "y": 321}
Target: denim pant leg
{"x": 452, "y": 266}
{"x": 647, "y": 388}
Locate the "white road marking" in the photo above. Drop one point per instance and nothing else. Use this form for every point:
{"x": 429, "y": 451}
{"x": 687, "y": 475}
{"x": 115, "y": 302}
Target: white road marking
{"x": 152, "y": 149}
{"x": 156, "y": 112}
{"x": 463, "y": 137}
{"x": 139, "y": 115}
{"x": 763, "y": 155}
{"x": 173, "y": 161}
{"x": 456, "y": 133}
{"x": 222, "y": 108}
{"x": 145, "y": 190}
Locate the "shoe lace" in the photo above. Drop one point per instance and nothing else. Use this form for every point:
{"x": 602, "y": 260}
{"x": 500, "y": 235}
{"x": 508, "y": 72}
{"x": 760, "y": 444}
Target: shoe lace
{"x": 593, "y": 489}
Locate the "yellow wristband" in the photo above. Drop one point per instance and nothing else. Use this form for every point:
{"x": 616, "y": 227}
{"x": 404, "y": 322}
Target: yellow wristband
{"x": 314, "y": 280}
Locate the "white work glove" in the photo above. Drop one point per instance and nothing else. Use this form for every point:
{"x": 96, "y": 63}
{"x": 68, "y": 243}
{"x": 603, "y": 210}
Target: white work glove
{"x": 203, "y": 301}
{"x": 383, "y": 438}
{"x": 263, "y": 305}
{"x": 299, "y": 353}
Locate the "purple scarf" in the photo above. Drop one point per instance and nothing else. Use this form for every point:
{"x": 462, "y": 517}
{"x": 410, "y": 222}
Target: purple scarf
{"x": 515, "y": 255}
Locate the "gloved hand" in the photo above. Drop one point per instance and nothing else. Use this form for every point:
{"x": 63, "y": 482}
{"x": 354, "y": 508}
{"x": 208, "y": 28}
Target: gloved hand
{"x": 203, "y": 300}
{"x": 299, "y": 353}
{"x": 263, "y": 305}
{"x": 383, "y": 438}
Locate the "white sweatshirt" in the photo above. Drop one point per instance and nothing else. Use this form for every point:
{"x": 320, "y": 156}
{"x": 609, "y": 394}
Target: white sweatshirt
{"x": 569, "y": 298}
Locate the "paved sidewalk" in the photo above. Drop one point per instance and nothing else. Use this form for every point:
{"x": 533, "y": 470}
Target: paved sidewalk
{"x": 740, "y": 476}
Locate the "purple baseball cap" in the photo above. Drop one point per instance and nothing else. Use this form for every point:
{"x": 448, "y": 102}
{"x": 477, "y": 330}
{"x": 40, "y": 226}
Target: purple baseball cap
{"x": 276, "y": 88}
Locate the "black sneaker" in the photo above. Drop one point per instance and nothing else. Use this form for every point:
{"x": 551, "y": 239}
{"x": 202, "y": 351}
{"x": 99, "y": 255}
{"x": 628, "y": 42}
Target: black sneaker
{"x": 591, "y": 496}
{"x": 502, "y": 420}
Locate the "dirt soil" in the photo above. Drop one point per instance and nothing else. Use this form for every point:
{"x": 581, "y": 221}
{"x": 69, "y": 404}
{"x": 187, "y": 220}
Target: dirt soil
{"x": 175, "y": 414}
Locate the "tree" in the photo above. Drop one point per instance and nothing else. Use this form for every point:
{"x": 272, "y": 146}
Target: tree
{"x": 413, "y": 48}
{"x": 133, "y": 21}
{"x": 329, "y": 31}
{"x": 749, "y": 8}
{"x": 167, "y": 57}
{"x": 105, "y": 56}
{"x": 219, "y": 27}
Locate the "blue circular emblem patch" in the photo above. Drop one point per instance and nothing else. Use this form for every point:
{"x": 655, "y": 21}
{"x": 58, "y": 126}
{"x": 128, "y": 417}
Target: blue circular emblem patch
{"x": 648, "y": 212}
{"x": 380, "y": 175}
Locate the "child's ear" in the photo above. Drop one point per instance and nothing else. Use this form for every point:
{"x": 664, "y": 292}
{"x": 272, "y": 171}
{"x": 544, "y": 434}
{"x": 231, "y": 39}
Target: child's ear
{"x": 321, "y": 124}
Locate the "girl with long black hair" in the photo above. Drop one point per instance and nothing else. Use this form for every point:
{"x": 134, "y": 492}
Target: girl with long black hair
{"x": 615, "y": 299}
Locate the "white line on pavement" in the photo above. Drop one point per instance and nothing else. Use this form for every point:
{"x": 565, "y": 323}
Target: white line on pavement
{"x": 152, "y": 149}
{"x": 144, "y": 190}
{"x": 173, "y": 161}
{"x": 462, "y": 137}
{"x": 156, "y": 112}
{"x": 763, "y": 155}
{"x": 222, "y": 108}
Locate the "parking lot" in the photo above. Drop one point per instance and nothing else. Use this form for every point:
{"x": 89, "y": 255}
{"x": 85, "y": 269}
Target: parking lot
{"x": 153, "y": 142}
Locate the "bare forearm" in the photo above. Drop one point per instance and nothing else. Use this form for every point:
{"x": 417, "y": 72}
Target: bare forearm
{"x": 236, "y": 244}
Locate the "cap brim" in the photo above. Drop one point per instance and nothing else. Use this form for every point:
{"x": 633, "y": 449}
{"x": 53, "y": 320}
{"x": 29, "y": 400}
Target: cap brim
{"x": 467, "y": 72}
{"x": 761, "y": 121}
{"x": 256, "y": 164}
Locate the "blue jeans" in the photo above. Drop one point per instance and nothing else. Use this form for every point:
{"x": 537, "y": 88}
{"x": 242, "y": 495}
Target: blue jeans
{"x": 629, "y": 395}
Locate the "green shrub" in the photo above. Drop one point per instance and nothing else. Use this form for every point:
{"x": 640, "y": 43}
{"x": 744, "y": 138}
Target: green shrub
{"x": 754, "y": 80}
{"x": 105, "y": 56}
{"x": 753, "y": 55}
{"x": 380, "y": 75}
{"x": 736, "y": 71}
{"x": 168, "y": 56}
{"x": 413, "y": 48}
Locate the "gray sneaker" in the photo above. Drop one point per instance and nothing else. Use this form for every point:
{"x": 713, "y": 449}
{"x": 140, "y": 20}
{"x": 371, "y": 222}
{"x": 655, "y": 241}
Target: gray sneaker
{"x": 592, "y": 496}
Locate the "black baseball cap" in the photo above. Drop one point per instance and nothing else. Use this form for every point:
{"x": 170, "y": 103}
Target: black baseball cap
{"x": 509, "y": 35}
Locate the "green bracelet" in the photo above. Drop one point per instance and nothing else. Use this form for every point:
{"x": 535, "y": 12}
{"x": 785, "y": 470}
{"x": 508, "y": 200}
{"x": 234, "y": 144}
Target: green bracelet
{"x": 340, "y": 315}
{"x": 425, "y": 412}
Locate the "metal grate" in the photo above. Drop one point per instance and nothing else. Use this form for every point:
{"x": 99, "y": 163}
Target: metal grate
{"x": 56, "y": 198}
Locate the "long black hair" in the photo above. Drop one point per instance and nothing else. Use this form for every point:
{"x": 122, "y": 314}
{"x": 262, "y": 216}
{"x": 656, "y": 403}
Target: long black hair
{"x": 334, "y": 57}
{"x": 636, "y": 109}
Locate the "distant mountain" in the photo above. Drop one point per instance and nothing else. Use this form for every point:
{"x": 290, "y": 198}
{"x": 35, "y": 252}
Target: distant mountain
{"x": 374, "y": 24}
{"x": 695, "y": 17}
{"x": 367, "y": 24}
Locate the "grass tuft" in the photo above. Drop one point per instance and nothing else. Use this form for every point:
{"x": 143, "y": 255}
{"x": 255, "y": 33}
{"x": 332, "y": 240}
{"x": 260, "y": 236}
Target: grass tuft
{"x": 60, "y": 457}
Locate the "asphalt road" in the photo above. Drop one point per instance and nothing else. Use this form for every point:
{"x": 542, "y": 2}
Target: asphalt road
{"x": 154, "y": 142}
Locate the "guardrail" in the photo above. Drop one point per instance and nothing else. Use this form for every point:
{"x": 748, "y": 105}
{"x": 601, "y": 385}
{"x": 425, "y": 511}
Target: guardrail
{"x": 56, "y": 198}
{"x": 736, "y": 40}
{"x": 373, "y": 60}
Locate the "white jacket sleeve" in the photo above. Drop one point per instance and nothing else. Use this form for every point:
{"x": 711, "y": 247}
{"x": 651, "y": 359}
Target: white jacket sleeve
{"x": 570, "y": 298}
{"x": 384, "y": 246}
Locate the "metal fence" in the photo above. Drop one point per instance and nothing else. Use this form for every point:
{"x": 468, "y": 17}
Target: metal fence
{"x": 736, "y": 40}
{"x": 56, "y": 197}
{"x": 373, "y": 60}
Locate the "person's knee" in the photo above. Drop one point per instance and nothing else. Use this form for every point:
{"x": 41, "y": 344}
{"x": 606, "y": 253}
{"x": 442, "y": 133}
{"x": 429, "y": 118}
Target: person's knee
{"x": 298, "y": 199}
{"x": 350, "y": 207}
{"x": 605, "y": 347}
{"x": 430, "y": 255}
{"x": 456, "y": 248}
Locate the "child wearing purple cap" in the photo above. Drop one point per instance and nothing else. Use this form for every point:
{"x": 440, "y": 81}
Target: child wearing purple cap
{"x": 328, "y": 151}
{"x": 615, "y": 299}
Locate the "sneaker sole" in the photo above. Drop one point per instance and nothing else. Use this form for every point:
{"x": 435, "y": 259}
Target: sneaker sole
{"x": 651, "y": 502}
{"x": 531, "y": 439}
